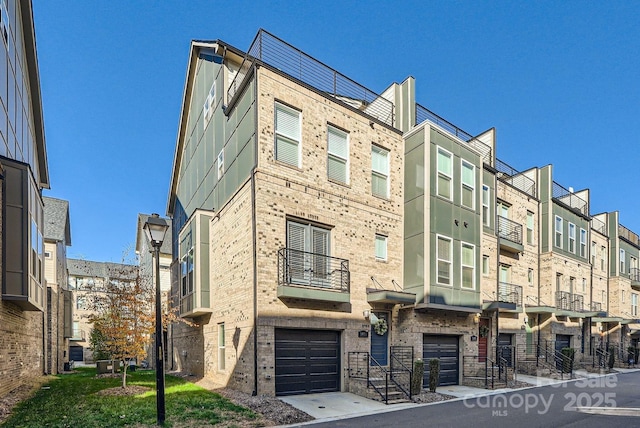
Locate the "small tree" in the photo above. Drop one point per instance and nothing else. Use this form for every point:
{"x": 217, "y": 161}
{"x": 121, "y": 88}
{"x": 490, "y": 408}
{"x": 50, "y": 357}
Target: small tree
{"x": 434, "y": 374}
{"x": 418, "y": 374}
{"x": 98, "y": 342}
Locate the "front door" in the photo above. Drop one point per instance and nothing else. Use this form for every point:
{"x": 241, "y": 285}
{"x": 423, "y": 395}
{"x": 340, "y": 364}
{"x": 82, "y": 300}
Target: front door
{"x": 380, "y": 342}
{"x": 483, "y": 339}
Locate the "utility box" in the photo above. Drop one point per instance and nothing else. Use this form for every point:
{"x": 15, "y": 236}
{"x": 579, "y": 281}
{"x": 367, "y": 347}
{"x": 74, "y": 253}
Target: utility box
{"x": 105, "y": 366}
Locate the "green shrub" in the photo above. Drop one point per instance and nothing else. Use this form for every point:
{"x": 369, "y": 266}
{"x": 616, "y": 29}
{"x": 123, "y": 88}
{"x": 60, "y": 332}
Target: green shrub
{"x": 568, "y": 355}
{"x": 418, "y": 374}
{"x": 434, "y": 374}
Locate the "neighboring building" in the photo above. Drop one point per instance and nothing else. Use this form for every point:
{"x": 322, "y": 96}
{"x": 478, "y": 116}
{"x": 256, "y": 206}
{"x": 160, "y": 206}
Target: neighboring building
{"x": 317, "y": 223}
{"x": 148, "y": 273}
{"x": 57, "y": 236}
{"x": 23, "y": 175}
{"x": 86, "y": 279}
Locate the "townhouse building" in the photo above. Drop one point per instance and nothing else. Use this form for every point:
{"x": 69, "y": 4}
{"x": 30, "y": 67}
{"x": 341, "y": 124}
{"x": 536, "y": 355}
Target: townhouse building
{"x": 57, "y": 236}
{"x": 322, "y": 231}
{"x": 23, "y": 175}
{"x": 88, "y": 279}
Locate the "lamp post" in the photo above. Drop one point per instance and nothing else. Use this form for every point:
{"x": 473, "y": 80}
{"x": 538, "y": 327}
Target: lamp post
{"x": 155, "y": 229}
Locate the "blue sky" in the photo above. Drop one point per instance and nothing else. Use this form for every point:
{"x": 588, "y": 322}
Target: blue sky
{"x": 558, "y": 80}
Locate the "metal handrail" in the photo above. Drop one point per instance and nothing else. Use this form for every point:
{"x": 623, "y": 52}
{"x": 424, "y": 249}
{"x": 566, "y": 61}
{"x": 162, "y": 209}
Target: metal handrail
{"x": 424, "y": 114}
{"x": 634, "y": 274}
{"x": 598, "y": 225}
{"x": 509, "y": 230}
{"x": 288, "y": 59}
{"x": 569, "y": 198}
{"x": 563, "y": 300}
{"x": 515, "y": 178}
{"x": 313, "y": 270}
{"x": 510, "y": 293}
{"x": 627, "y": 234}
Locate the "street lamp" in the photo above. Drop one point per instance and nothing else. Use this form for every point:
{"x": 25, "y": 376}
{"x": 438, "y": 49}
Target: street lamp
{"x": 155, "y": 229}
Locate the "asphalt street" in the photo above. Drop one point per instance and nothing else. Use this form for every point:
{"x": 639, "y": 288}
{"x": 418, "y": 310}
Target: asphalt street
{"x": 604, "y": 402}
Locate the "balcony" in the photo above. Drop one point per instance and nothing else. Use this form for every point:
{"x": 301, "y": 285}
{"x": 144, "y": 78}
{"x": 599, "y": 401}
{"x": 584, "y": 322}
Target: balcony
{"x": 510, "y": 234}
{"x": 628, "y": 235}
{"x": 509, "y": 299}
{"x": 570, "y": 199}
{"x": 303, "y": 275}
{"x": 634, "y": 275}
{"x": 78, "y": 335}
{"x": 570, "y": 305}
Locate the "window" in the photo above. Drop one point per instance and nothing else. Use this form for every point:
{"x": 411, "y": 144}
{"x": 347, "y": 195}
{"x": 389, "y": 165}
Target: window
{"x": 558, "y": 234}
{"x": 572, "y": 238}
{"x": 584, "y": 285}
{"x": 583, "y": 243}
{"x": 381, "y": 247}
{"x": 486, "y": 220}
{"x": 221, "y": 347}
{"x": 47, "y": 254}
{"x": 186, "y": 273}
{"x": 603, "y": 252}
{"x": 594, "y": 251}
{"x": 379, "y": 171}
{"x": 633, "y": 265}
{"x": 503, "y": 209}
{"x": 529, "y": 228}
{"x": 634, "y": 304}
{"x": 209, "y": 103}
{"x": 530, "y": 277}
{"x": 468, "y": 252}
{"x": 81, "y": 303}
{"x": 485, "y": 265}
{"x": 287, "y": 135}
{"x": 572, "y": 285}
{"x": 308, "y": 253}
{"x": 444, "y": 260}
{"x": 468, "y": 178}
{"x": 338, "y": 155}
{"x": 558, "y": 282}
{"x": 623, "y": 261}
{"x": 445, "y": 172}
{"x": 220, "y": 163}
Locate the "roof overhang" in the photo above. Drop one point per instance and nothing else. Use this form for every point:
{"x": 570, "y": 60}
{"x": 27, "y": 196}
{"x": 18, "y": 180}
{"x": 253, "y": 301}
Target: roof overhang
{"x": 390, "y": 297}
{"x": 448, "y": 308}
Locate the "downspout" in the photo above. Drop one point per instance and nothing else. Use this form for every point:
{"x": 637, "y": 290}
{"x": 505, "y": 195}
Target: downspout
{"x": 608, "y": 275}
{"x": 255, "y": 243}
{"x": 539, "y": 256}
{"x": 496, "y": 231}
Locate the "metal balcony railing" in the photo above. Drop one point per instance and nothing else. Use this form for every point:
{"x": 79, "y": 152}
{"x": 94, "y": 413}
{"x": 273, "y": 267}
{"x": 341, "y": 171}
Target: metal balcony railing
{"x": 509, "y": 230}
{"x": 515, "y": 178}
{"x": 510, "y": 293}
{"x": 313, "y": 270}
{"x": 598, "y": 225}
{"x": 577, "y": 302}
{"x": 563, "y": 300}
{"x": 634, "y": 274}
{"x": 627, "y": 234}
{"x": 281, "y": 55}
{"x": 570, "y": 199}
{"x": 78, "y": 335}
{"x": 423, "y": 114}
{"x": 596, "y": 306}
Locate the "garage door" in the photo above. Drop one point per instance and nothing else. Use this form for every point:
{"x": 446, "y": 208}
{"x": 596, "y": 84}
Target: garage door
{"x": 76, "y": 353}
{"x": 445, "y": 349}
{"x": 307, "y": 361}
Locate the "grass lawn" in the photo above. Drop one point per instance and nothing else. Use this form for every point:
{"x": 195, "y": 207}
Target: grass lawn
{"x": 71, "y": 400}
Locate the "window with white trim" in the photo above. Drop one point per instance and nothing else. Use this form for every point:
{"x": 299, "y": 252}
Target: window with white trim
{"x": 529, "y": 228}
{"x": 468, "y": 265}
{"x": 634, "y": 304}
{"x": 594, "y": 253}
{"x": 583, "y": 243}
{"x": 486, "y": 194}
{"x": 584, "y": 285}
{"x": 338, "y": 155}
{"x": 572, "y": 238}
{"x": 287, "y": 135}
{"x": 381, "y": 247}
{"x": 379, "y": 171}
{"x": 468, "y": 179}
{"x": 623, "y": 261}
{"x": 558, "y": 232}
{"x": 445, "y": 173}
{"x": 443, "y": 256}
{"x": 308, "y": 251}
{"x": 220, "y": 164}
{"x": 558, "y": 282}
{"x": 209, "y": 103}
{"x": 485, "y": 265}
{"x": 221, "y": 347}
{"x": 603, "y": 252}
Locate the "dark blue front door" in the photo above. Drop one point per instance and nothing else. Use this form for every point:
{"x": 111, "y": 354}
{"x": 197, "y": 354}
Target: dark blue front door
{"x": 380, "y": 342}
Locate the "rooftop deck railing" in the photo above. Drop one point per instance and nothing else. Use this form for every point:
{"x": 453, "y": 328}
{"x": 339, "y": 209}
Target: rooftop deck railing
{"x": 627, "y": 234}
{"x": 598, "y": 225}
{"x": 515, "y": 178}
{"x": 423, "y": 114}
{"x": 570, "y": 199}
{"x": 281, "y": 55}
